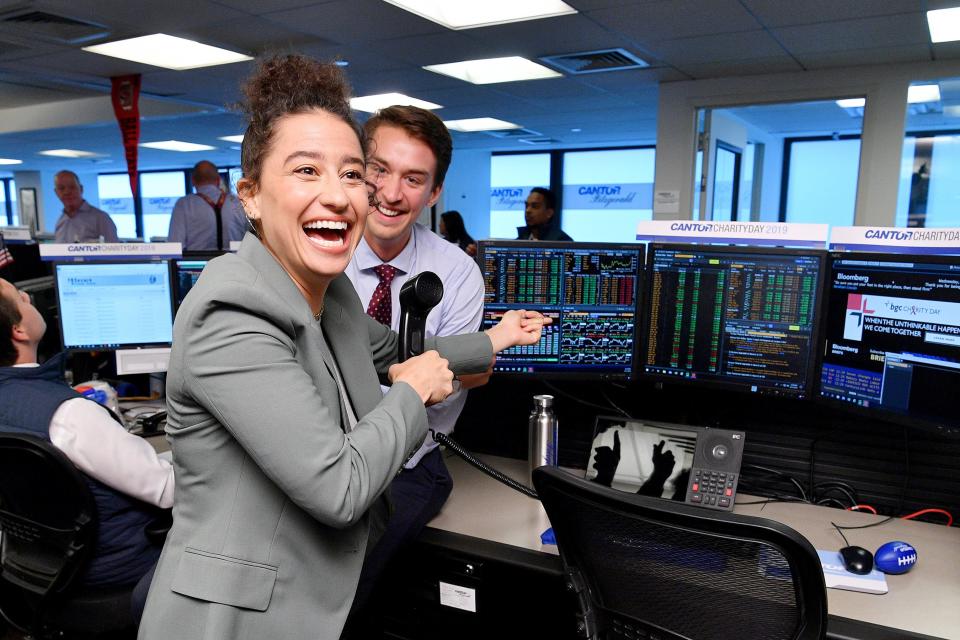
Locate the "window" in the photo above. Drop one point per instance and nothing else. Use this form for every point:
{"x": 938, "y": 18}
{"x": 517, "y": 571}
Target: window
{"x": 511, "y": 179}
{"x": 159, "y": 191}
{"x": 821, "y": 183}
{"x": 117, "y": 200}
{"x": 606, "y": 193}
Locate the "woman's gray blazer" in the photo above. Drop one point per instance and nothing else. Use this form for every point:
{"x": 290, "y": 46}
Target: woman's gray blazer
{"x": 272, "y": 488}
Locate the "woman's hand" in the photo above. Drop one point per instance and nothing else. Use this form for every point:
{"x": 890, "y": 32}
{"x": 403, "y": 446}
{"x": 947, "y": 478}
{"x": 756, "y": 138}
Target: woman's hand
{"x": 428, "y": 374}
{"x": 517, "y": 327}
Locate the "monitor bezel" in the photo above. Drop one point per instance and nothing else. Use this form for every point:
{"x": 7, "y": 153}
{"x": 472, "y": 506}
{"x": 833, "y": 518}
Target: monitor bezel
{"x": 876, "y": 412}
{"x": 732, "y": 385}
{"x": 638, "y": 298}
{"x": 188, "y": 256}
{"x": 111, "y": 347}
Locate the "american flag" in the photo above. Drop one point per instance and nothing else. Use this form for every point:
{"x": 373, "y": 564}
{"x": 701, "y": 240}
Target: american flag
{"x": 5, "y": 257}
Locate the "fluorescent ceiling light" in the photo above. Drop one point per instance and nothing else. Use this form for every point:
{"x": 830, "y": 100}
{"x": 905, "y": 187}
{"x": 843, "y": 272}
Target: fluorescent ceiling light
{"x": 168, "y": 52}
{"x": 468, "y": 15}
{"x": 851, "y": 103}
{"x": 923, "y": 93}
{"x": 479, "y": 124}
{"x": 176, "y": 145}
{"x": 10, "y": 161}
{"x": 70, "y": 153}
{"x": 238, "y": 139}
{"x": 372, "y": 104}
{"x": 491, "y": 70}
{"x": 944, "y": 24}
{"x": 915, "y": 94}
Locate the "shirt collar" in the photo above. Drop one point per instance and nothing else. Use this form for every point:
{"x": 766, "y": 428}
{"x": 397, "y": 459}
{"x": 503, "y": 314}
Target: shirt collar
{"x": 27, "y": 365}
{"x": 212, "y": 191}
{"x": 84, "y": 205}
{"x": 404, "y": 261}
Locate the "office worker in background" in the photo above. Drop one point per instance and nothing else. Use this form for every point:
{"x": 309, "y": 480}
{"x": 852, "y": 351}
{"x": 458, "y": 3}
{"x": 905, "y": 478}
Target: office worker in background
{"x": 80, "y": 221}
{"x": 126, "y": 477}
{"x": 282, "y": 439}
{"x": 210, "y": 218}
{"x": 541, "y": 217}
{"x": 453, "y": 230}
{"x": 409, "y": 151}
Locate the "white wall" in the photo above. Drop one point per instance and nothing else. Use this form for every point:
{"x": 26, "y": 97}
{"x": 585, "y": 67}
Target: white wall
{"x": 467, "y": 190}
{"x": 885, "y": 88}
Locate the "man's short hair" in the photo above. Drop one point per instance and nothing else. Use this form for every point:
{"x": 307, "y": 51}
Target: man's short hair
{"x": 205, "y": 172}
{"x": 422, "y": 125}
{"x": 549, "y": 200}
{"x": 67, "y": 172}
{"x": 9, "y": 317}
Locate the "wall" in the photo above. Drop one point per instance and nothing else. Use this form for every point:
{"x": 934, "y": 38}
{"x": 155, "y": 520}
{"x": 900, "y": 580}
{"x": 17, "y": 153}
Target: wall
{"x": 467, "y": 190}
{"x": 885, "y": 88}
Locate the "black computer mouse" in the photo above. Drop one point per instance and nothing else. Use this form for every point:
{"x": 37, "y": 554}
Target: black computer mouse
{"x": 857, "y": 560}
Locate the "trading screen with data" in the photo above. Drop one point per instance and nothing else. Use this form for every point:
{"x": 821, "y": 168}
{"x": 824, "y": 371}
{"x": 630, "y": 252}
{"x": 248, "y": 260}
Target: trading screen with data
{"x": 591, "y": 292}
{"x": 745, "y": 317}
{"x": 893, "y": 335}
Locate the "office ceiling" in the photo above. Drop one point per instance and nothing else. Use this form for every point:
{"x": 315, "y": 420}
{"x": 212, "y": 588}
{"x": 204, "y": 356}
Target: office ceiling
{"x": 53, "y": 94}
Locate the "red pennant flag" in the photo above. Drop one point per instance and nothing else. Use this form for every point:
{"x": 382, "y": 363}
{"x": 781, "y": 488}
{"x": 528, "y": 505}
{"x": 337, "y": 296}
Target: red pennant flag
{"x": 126, "y": 106}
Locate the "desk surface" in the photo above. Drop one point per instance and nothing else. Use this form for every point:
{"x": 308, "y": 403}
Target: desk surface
{"x": 925, "y": 601}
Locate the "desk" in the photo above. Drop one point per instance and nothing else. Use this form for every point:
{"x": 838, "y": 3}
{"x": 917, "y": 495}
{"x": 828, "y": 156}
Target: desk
{"x": 924, "y": 602}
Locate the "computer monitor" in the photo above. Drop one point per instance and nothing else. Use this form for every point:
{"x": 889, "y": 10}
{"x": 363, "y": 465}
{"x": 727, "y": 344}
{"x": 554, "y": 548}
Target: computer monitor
{"x": 109, "y": 305}
{"x": 893, "y": 337}
{"x": 590, "y": 290}
{"x": 186, "y": 270}
{"x": 736, "y": 317}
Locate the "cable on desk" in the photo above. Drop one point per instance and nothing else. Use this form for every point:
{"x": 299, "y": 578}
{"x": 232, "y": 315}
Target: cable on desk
{"x": 770, "y": 500}
{"x": 925, "y": 511}
{"x": 780, "y": 474}
{"x": 866, "y": 526}
{"x": 560, "y": 391}
{"x": 614, "y": 404}
{"x": 826, "y": 502}
{"x": 842, "y": 487}
{"x": 453, "y": 445}
{"x": 840, "y": 531}
{"x": 862, "y": 507}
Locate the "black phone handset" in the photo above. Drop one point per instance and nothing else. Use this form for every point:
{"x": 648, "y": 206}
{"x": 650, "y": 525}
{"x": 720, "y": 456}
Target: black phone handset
{"x": 418, "y": 296}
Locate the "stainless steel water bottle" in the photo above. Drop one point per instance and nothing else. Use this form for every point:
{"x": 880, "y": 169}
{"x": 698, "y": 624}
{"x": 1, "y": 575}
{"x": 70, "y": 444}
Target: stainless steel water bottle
{"x": 542, "y": 448}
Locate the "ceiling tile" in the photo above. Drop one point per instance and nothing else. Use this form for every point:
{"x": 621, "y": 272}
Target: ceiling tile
{"x": 722, "y": 47}
{"x": 650, "y": 22}
{"x": 884, "y": 31}
{"x": 255, "y": 36}
{"x": 778, "y": 64}
{"x": 882, "y": 55}
{"x": 349, "y": 22}
{"x": 777, "y": 13}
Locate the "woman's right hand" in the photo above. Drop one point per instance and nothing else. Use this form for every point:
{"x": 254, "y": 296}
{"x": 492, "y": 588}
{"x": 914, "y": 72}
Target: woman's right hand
{"x": 428, "y": 374}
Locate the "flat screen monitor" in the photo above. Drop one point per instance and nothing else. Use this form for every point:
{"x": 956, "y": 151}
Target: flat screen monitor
{"x": 893, "y": 337}
{"x": 590, "y": 290}
{"x": 108, "y": 305}
{"x": 742, "y": 318}
{"x": 186, "y": 271}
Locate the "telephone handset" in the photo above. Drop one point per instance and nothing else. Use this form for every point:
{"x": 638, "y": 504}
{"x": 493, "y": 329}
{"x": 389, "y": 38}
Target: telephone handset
{"x": 418, "y": 296}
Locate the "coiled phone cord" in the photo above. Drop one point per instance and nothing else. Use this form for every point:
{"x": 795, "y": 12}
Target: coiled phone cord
{"x": 453, "y": 445}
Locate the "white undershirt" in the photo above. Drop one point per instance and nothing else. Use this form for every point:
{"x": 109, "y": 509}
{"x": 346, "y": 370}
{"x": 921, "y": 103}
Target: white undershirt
{"x": 104, "y": 450}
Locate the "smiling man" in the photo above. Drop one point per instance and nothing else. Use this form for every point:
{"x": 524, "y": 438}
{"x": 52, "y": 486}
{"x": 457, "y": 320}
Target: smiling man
{"x": 80, "y": 222}
{"x": 409, "y": 152}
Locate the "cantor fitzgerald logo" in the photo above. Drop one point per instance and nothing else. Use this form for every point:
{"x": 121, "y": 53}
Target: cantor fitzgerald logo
{"x": 857, "y": 308}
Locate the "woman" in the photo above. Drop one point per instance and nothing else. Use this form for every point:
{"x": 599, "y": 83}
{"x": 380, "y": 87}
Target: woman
{"x": 453, "y": 229}
{"x": 282, "y": 439}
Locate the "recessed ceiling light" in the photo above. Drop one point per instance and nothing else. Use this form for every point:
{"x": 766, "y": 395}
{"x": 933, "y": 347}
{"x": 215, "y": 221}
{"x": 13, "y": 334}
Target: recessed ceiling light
{"x": 468, "y": 15}
{"x": 10, "y": 161}
{"x": 479, "y": 124}
{"x": 238, "y": 139}
{"x": 944, "y": 24}
{"x": 70, "y": 153}
{"x": 851, "y": 103}
{"x": 176, "y": 145}
{"x": 169, "y": 52}
{"x": 923, "y": 93}
{"x": 372, "y": 104}
{"x": 491, "y": 70}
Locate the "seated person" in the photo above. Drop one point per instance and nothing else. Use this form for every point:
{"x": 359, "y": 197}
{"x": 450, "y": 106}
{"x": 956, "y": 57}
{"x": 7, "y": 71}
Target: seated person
{"x": 126, "y": 477}
{"x": 541, "y": 219}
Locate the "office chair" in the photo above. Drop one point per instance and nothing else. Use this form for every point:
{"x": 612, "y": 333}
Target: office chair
{"x": 647, "y": 568}
{"x": 48, "y": 521}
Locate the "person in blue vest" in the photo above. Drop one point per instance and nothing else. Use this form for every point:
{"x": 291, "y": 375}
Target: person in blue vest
{"x": 127, "y": 478}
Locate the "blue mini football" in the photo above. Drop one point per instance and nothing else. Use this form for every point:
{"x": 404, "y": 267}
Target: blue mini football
{"x": 895, "y": 557}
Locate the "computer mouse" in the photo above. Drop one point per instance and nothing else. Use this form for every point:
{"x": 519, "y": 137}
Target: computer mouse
{"x": 857, "y": 560}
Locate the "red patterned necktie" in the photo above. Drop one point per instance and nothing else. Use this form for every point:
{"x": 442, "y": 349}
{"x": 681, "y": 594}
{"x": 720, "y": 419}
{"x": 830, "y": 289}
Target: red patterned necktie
{"x": 380, "y": 308}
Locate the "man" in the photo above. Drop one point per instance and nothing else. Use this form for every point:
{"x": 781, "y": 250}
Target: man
{"x": 208, "y": 219}
{"x": 410, "y": 151}
{"x": 126, "y": 477}
{"x": 80, "y": 221}
{"x": 539, "y": 214}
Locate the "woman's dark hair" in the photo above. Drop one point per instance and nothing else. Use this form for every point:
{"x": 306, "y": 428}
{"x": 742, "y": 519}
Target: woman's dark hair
{"x": 288, "y": 85}
{"x": 456, "y": 231}
{"x": 9, "y": 316}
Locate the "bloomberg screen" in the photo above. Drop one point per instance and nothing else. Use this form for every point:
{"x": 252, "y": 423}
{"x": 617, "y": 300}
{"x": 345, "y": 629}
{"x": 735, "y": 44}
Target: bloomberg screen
{"x": 893, "y": 335}
{"x": 591, "y": 292}
{"x": 742, "y": 317}
{"x": 110, "y": 305}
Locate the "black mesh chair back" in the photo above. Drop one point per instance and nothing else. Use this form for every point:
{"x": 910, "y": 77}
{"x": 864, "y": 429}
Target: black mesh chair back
{"x": 47, "y": 515}
{"x": 647, "y": 568}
